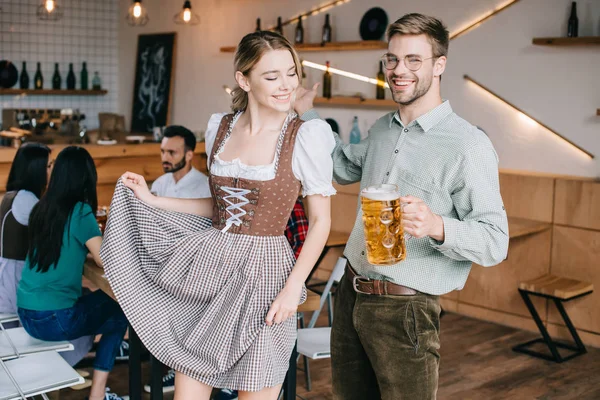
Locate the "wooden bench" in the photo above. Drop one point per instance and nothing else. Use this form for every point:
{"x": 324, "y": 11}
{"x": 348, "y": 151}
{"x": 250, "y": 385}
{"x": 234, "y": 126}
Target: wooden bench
{"x": 559, "y": 290}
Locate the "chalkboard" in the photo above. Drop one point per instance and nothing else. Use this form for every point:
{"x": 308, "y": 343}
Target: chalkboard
{"x": 154, "y": 71}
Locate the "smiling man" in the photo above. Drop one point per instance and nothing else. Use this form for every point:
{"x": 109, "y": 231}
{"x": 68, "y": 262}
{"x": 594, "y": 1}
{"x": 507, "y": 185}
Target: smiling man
{"x": 181, "y": 179}
{"x": 385, "y": 335}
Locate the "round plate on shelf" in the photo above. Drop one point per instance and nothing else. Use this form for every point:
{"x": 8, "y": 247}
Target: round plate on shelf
{"x": 8, "y": 74}
{"x": 373, "y": 24}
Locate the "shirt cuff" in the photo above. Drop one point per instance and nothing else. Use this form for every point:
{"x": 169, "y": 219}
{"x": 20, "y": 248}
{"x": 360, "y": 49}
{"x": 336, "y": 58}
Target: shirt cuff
{"x": 450, "y": 228}
{"x": 310, "y": 114}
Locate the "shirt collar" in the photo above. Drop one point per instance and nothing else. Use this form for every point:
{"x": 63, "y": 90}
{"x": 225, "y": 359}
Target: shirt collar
{"x": 429, "y": 119}
{"x": 190, "y": 175}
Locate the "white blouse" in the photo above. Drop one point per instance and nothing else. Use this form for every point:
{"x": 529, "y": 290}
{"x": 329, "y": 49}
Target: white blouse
{"x": 311, "y": 160}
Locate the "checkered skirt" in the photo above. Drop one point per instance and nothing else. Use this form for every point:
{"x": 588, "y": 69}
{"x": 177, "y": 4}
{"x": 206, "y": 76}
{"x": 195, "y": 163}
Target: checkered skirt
{"x": 198, "y": 297}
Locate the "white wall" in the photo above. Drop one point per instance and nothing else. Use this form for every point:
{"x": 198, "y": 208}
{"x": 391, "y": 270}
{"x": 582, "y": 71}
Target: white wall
{"x": 557, "y": 85}
{"x": 86, "y": 32}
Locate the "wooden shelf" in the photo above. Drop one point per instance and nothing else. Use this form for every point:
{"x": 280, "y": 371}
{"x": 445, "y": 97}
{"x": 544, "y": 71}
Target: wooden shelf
{"x": 598, "y": 111}
{"x": 519, "y": 227}
{"x": 355, "y": 102}
{"x": 567, "y": 41}
{"x": 334, "y": 46}
{"x": 52, "y": 92}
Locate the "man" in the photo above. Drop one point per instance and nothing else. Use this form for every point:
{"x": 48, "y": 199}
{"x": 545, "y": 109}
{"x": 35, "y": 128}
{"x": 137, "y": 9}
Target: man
{"x": 182, "y": 180}
{"x": 386, "y": 346}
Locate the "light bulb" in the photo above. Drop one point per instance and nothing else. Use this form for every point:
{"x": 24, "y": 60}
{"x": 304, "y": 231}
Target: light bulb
{"x": 187, "y": 15}
{"x": 49, "y": 5}
{"x": 137, "y": 10}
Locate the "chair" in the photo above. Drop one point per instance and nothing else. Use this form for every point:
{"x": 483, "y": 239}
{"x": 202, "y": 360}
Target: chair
{"x": 31, "y": 366}
{"x": 314, "y": 342}
{"x": 559, "y": 290}
{"x": 335, "y": 239}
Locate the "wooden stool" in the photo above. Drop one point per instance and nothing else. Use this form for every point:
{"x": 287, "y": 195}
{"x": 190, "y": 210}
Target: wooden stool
{"x": 558, "y": 289}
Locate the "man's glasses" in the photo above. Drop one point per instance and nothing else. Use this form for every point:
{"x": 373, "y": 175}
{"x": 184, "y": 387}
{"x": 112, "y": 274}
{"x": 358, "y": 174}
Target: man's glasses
{"x": 411, "y": 61}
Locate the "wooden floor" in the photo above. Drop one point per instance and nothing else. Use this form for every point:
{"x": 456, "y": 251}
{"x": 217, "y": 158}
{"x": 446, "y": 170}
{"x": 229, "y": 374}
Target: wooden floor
{"x": 477, "y": 363}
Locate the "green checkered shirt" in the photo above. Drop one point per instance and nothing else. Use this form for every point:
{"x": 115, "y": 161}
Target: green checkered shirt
{"x": 453, "y": 167}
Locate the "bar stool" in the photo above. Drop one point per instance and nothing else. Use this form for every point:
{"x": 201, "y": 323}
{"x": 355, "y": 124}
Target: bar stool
{"x": 559, "y": 290}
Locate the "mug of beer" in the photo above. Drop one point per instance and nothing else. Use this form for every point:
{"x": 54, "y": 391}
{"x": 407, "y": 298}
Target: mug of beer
{"x": 382, "y": 222}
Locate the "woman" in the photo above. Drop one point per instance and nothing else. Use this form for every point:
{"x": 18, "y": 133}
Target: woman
{"x": 27, "y": 181}
{"x": 217, "y": 302}
{"x": 63, "y": 229}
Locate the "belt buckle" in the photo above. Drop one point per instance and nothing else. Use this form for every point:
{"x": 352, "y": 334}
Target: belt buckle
{"x": 355, "y": 284}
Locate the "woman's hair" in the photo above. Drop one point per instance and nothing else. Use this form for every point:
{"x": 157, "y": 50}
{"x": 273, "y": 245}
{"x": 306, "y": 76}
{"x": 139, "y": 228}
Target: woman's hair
{"x": 29, "y": 170}
{"x": 73, "y": 180}
{"x": 248, "y": 54}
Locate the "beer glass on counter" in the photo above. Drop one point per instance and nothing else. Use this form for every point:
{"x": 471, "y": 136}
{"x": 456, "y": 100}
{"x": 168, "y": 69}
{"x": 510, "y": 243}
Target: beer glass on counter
{"x": 382, "y": 222}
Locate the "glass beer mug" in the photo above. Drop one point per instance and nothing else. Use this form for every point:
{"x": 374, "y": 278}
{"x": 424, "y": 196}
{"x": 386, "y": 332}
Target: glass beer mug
{"x": 382, "y": 222}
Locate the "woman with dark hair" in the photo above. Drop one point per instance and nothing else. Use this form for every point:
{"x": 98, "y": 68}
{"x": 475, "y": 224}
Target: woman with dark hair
{"x": 63, "y": 229}
{"x": 26, "y": 184}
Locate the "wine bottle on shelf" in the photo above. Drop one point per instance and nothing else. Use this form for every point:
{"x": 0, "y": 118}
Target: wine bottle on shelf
{"x": 355, "y": 131}
{"x": 258, "y": 25}
{"x": 299, "y": 37}
{"x": 327, "y": 82}
{"x": 38, "y": 79}
{"x": 84, "y": 77}
{"x": 380, "y": 93}
{"x": 96, "y": 82}
{"x": 279, "y": 28}
{"x": 326, "y": 35}
{"x": 24, "y": 79}
{"x": 573, "y": 25}
{"x": 71, "y": 78}
{"x": 56, "y": 79}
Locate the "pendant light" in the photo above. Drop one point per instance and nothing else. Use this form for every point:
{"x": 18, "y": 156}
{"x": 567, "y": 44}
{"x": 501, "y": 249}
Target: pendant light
{"x": 186, "y": 16}
{"x": 49, "y": 11}
{"x": 137, "y": 15}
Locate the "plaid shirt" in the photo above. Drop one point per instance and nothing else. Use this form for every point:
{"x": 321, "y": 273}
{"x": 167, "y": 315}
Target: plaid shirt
{"x": 297, "y": 227}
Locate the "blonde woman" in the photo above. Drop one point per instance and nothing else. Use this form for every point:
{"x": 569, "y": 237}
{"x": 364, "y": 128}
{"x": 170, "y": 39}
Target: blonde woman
{"x": 216, "y": 300}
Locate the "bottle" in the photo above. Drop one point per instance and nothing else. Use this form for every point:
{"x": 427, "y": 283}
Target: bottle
{"x": 327, "y": 82}
{"x": 299, "y": 37}
{"x": 71, "y": 78}
{"x": 355, "y": 132}
{"x": 84, "y": 77}
{"x": 573, "y": 25}
{"x": 96, "y": 82}
{"x": 380, "y": 93}
{"x": 326, "y": 36}
{"x": 38, "y": 79}
{"x": 279, "y": 28}
{"x": 56, "y": 79}
{"x": 258, "y": 25}
{"x": 24, "y": 80}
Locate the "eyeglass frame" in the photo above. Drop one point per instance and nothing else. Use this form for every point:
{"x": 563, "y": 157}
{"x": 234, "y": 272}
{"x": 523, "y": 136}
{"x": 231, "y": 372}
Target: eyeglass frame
{"x": 404, "y": 60}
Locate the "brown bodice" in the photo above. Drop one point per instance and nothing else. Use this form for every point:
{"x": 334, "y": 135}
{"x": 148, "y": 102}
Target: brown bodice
{"x": 267, "y": 204}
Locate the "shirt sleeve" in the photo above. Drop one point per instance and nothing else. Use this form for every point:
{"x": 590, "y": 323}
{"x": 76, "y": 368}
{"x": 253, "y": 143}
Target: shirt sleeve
{"x": 311, "y": 162}
{"x": 22, "y": 205}
{"x": 347, "y": 158}
{"x": 211, "y": 133}
{"x": 84, "y": 225}
{"x": 480, "y": 234}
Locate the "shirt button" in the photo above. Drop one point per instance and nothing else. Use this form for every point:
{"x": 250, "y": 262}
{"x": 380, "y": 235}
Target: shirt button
{"x": 396, "y": 151}
{"x": 388, "y": 173}
{"x": 405, "y": 130}
{"x": 362, "y": 253}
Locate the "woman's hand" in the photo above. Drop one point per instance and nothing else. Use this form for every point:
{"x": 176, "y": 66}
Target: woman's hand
{"x": 138, "y": 185}
{"x": 285, "y": 304}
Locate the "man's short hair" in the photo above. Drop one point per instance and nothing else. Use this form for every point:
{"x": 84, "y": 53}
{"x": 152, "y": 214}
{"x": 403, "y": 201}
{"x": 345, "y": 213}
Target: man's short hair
{"x": 419, "y": 24}
{"x": 185, "y": 133}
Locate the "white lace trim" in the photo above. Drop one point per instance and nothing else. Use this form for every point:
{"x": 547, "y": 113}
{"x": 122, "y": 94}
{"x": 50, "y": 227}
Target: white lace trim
{"x": 235, "y": 209}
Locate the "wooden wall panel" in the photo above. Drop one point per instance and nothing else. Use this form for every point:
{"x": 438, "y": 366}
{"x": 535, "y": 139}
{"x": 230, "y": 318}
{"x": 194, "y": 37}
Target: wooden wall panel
{"x": 343, "y": 207}
{"x": 577, "y": 203}
{"x": 528, "y": 197}
{"x": 499, "y": 317}
{"x": 561, "y": 332}
{"x": 496, "y": 287}
{"x": 576, "y": 255}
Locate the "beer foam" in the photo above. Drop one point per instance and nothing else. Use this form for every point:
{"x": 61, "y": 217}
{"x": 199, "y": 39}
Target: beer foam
{"x": 379, "y": 194}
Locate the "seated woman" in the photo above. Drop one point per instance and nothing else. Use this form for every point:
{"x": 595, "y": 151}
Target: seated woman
{"x": 26, "y": 183}
{"x": 63, "y": 229}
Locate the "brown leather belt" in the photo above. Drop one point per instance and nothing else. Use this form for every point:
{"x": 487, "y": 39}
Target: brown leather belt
{"x": 364, "y": 285}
